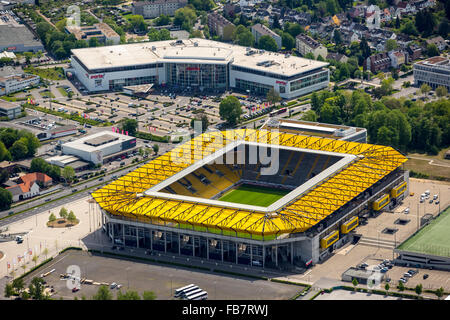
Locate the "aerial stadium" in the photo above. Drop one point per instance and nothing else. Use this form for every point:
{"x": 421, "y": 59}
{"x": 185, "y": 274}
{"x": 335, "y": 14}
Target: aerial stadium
{"x": 256, "y": 197}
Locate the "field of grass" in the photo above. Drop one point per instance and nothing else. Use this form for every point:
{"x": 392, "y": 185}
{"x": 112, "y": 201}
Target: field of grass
{"x": 252, "y": 195}
{"x": 433, "y": 239}
{"x": 52, "y": 73}
{"x": 46, "y": 94}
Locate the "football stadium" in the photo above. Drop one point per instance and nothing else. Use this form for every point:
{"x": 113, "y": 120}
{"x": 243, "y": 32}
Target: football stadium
{"x": 257, "y": 197}
{"x": 429, "y": 246}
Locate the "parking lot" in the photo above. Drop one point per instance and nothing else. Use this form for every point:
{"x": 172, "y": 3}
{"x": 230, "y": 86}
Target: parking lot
{"x": 160, "y": 279}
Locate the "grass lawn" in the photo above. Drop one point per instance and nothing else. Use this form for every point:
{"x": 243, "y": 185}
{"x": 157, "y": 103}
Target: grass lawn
{"x": 252, "y": 195}
{"x": 63, "y": 92}
{"x": 432, "y": 239}
{"x": 52, "y": 73}
{"x": 46, "y": 94}
{"x": 423, "y": 166}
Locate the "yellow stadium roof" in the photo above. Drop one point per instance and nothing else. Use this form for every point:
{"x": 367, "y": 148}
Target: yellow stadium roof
{"x": 125, "y": 196}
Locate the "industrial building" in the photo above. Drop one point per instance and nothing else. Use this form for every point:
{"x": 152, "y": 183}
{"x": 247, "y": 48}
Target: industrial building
{"x": 15, "y": 37}
{"x": 101, "y": 31}
{"x": 197, "y": 64}
{"x": 45, "y": 129}
{"x": 100, "y": 147}
{"x": 10, "y": 110}
{"x": 434, "y": 71}
{"x": 17, "y": 82}
{"x": 174, "y": 203}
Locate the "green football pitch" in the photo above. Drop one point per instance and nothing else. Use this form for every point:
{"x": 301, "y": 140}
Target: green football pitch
{"x": 432, "y": 239}
{"x": 253, "y": 195}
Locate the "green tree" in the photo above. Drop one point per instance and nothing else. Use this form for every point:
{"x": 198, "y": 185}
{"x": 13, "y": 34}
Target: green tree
{"x": 400, "y": 286}
{"x": 103, "y": 293}
{"x": 288, "y": 41}
{"x": 355, "y": 283}
{"x": 5, "y": 199}
{"x": 203, "y": 118}
{"x": 409, "y": 28}
{"x": 294, "y": 29}
{"x": 441, "y": 91}
{"x": 273, "y": 96}
{"x": 148, "y": 295}
{"x": 386, "y": 287}
{"x": 71, "y": 217}
{"x": 310, "y": 115}
{"x": 185, "y": 18}
{"x": 228, "y": 32}
{"x": 129, "y": 295}
{"x": 4, "y": 153}
{"x": 93, "y": 42}
{"x": 425, "y": 88}
{"x": 439, "y": 292}
{"x": 18, "y": 284}
{"x": 267, "y": 43}
{"x": 9, "y": 290}
{"x": 230, "y": 109}
{"x": 418, "y": 289}
{"x": 137, "y": 23}
{"x": 4, "y": 176}
{"x": 315, "y": 102}
{"x": 391, "y": 44}
{"x": 155, "y": 148}
{"x": 432, "y": 50}
{"x": 130, "y": 125}
{"x": 162, "y": 20}
{"x": 19, "y": 149}
{"x": 63, "y": 213}
{"x": 68, "y": 174}
{"x": 36, "y": 289}
{"x": 51, "y": 218}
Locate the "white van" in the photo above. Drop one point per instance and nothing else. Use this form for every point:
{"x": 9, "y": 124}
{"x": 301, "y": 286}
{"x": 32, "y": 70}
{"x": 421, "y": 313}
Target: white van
{"x": 427, "y": 192}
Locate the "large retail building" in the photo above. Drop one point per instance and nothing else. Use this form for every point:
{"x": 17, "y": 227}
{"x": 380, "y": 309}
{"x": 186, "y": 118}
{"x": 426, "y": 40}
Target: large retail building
{"x": 197, "y": 64}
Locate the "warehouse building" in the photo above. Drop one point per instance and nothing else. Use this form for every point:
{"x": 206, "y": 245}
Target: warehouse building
{"x": 15, "y": 37}
{"x": 10, "y": 110}
{"x": 100, "y": 147}
{"x": 197, "y": 64}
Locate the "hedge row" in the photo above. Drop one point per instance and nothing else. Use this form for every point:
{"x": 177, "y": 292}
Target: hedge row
{"x": 35, "y": 268}
{"x": 70, "y": 248}
{"x": 290, "y": 282}
{"x": 241, "y": 274}
{"x": 151, "y": 137}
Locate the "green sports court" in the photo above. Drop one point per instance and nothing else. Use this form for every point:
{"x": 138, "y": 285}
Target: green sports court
{"x": 433, "y": 239}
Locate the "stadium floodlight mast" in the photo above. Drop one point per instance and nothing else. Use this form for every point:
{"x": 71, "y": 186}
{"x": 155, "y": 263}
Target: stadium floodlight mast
{"x": 269, "y": 158}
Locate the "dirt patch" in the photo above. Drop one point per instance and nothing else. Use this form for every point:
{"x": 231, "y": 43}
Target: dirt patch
{"x": 62, "y": 223}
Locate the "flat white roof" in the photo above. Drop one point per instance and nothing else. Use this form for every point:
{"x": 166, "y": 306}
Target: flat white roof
{"x": 308, "y": 127}
{"x": 192, "y": 51}
{"x": 81, "y": 145}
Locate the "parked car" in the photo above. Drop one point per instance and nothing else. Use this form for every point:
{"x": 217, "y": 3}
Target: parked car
{"x": 425, "y": 276}
{"x": 113, "y": 285}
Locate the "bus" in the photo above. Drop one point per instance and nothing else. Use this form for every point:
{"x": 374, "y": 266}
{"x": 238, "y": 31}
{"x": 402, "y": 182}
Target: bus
{"x": 187, "y": 295}
{"x": 279, "y": 111}
{"x": 179, "y": 291}
{"x": 203, "y": 295}
{"x": 188, "y": 291}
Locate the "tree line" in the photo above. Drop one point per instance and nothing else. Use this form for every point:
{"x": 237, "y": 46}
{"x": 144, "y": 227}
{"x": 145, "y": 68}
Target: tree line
{"x": 400, "y": 123}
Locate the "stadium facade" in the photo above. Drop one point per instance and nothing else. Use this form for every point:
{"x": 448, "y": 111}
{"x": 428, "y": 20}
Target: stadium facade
{"x": 173, "y": 204}
{"x": 197, "y": 64}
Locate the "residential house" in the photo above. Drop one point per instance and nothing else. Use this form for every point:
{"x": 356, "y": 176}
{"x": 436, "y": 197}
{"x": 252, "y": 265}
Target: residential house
{"x": 155, "y": 8}
{"x": 397, "y": 58}
{"x": 406, "y": 8}
{"x": 414, "y": 52}
{"x": 28, "y": 185}
{"x": 217, "y": 23}
{"x": 259, "y": 30}
{"x": 438, "y": 41}
{"x": 305, "y": 44}
{"x": 337, "y": 57}
{"x": 377, "y": 62}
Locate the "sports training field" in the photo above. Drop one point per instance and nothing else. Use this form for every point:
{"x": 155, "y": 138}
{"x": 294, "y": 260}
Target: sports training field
{"x": 253, "y": 195}
{"x": 433, "y": 239}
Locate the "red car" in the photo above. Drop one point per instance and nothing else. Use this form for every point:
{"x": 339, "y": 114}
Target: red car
{"x": 75, "y": 289}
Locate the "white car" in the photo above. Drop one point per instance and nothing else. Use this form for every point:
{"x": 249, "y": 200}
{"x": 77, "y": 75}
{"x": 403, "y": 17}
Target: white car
{"x": 406, "y": 210}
